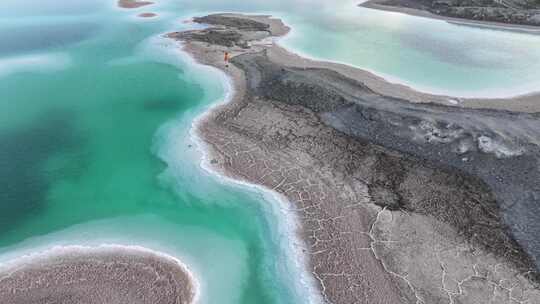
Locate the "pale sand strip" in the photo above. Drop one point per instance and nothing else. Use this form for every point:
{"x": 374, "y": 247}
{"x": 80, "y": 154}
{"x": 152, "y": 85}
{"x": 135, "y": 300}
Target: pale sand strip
{"x": 102, "y": 274}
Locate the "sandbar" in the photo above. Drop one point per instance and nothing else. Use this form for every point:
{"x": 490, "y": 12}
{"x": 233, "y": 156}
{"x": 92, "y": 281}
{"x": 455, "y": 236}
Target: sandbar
{"x": 105, "y": 274}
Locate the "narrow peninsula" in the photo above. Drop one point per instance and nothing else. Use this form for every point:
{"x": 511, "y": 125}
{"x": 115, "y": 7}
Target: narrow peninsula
{"x": 402, "y": 197}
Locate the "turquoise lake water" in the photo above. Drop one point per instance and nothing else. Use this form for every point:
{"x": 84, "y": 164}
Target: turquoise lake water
{"x": 96, "y": 110}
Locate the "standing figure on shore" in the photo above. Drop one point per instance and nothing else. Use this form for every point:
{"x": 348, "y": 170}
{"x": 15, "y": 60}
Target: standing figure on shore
{"x": 226, "y": 59}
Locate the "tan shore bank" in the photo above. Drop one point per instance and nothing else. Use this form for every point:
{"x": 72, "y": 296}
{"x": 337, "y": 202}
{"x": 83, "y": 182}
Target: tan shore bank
{"x": 380, "y": 226}
{"x": 96, "y": 275}
{"x": 133, "y": 3}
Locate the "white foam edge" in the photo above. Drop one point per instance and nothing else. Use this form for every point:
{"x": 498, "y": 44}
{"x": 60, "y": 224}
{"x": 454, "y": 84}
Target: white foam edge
{"x": 278, "y": 205}
{"x": 488, "y": 93}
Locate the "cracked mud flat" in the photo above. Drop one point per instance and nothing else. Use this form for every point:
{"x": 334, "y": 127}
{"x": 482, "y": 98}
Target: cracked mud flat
{"x": 399, "y": 202}
{"x": 96, "y": 275}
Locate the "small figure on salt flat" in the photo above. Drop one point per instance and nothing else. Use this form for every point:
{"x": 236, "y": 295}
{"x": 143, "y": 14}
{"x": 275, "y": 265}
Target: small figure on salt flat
{"x": 226, "y": 59}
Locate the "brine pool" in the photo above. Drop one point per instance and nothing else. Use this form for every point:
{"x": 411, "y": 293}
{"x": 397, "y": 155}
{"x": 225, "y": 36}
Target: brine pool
{"x": 96, "y": 113}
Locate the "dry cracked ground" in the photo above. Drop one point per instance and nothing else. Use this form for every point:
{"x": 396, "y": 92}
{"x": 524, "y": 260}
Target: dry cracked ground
{"x": 96, "y": 276}
{"x": 399, "y": 202}
{"x": 360, "y": 251}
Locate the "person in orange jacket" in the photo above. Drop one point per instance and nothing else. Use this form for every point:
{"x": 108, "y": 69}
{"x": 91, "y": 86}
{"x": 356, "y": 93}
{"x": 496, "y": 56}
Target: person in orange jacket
{"x": 226, "y": 59}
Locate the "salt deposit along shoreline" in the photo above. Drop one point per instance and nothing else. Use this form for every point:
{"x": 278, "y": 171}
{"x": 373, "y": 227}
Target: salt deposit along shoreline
{"x": 291, "y": 260}
{"x": 380, "y": 224}
{"x": 396, "y": 7}
{"x": 275, "y": 204}
{"x": 67, "y": 255}
{"x": 522, "y": 99}
{"x": 98, "y": 274}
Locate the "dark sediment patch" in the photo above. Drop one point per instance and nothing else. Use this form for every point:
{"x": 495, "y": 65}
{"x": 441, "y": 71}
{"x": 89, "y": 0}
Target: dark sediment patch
{"x": 216, "y": 36}
{"x": 113, "y": 275}
{"x": 235, "y": 22}
{"x": 22, "y": 160}
{"x": 230, "y": 31}
{"x": 442, "y": 137}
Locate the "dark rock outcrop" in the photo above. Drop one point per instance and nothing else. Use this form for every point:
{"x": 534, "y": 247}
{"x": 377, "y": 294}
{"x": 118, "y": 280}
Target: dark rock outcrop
{"x": 523, "y": 12}
{"x": 238, "y": 23}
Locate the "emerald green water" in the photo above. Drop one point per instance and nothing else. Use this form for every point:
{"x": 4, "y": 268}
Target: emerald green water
{"x": 86, "y": 156}
{"x": 95, "y": 117}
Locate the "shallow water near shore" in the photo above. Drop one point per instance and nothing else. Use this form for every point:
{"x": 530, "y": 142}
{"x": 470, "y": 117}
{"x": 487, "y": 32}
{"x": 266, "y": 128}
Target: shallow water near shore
{"x": 91, "y": 131}
{"x": 95, "y": 117}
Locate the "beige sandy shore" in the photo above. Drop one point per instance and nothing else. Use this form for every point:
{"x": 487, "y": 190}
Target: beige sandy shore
{"x": 359, "y": 252}
{"x": 97, "y": 275}
{"x": 133, "y": 3}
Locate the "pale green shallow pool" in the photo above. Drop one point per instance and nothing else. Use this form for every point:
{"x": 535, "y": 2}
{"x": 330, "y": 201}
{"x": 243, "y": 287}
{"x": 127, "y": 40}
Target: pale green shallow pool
{"x": 96, "y": 111}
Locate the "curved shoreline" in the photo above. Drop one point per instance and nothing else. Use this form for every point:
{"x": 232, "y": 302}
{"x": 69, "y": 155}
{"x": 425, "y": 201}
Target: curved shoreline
{"x": 431, "y": 94}
{"x": 276, "y": 205}
{"x": 288, "y": 129}
{"x": 97, "y": 260}
{"x": 388, "y": 85}
{"x": 292, "y": 249}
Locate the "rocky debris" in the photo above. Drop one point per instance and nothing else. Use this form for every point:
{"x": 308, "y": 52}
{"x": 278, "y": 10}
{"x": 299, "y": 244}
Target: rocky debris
{"x": 243, "y": 24}
{"x": 216, "y": 36}
{"x": 494, "y": 14}
{"x": 228, "y": 31}
{"x": 523, "y": 12}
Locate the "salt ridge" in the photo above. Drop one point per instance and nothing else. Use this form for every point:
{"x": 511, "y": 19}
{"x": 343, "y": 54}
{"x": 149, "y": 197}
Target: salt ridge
{"x": 285, "y": 216}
